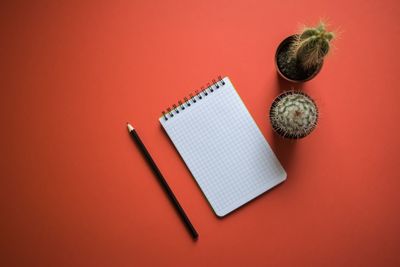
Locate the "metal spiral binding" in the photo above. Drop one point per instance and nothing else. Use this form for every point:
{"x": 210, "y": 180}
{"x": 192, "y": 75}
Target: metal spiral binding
{"x": 193, "y": 99}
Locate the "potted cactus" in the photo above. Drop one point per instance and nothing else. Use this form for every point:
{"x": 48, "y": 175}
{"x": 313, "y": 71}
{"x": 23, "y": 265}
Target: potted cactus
{"x": 299, "y": 57}
{"x": 293, "y": 114}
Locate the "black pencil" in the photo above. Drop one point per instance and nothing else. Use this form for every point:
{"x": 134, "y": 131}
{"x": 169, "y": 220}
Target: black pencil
{"x": 164, "y": 184}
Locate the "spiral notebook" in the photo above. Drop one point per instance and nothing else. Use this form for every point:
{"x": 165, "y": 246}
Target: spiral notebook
{"x": 222, "y": 146}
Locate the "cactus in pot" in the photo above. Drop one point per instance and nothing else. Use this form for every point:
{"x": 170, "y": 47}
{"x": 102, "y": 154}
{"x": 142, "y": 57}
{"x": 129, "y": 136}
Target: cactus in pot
{"x": 311, "y": 46}
{"x": 300, "y": 57}
{"x": 293, "y": 114}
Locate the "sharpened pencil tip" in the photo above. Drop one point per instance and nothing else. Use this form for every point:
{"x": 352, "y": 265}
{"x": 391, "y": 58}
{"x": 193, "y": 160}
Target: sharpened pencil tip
{"x": 130, "y": 127}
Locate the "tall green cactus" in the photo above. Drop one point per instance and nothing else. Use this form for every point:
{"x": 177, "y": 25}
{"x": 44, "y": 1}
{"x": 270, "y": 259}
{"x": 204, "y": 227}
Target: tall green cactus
{"x": 312, "y": 45}
{"x": 293, "y": 114}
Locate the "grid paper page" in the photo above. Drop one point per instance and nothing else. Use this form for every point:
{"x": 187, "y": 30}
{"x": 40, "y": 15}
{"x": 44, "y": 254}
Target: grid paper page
{"x": 223, "y": 148}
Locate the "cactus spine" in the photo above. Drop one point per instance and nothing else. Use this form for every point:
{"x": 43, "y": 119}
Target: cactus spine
{"x": 311, "y": 46}
{"x": 293, "y": 114}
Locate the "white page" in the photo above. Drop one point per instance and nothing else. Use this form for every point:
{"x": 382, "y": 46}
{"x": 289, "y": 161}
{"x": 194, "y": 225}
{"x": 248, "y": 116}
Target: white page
{"x": 223, "y": 148}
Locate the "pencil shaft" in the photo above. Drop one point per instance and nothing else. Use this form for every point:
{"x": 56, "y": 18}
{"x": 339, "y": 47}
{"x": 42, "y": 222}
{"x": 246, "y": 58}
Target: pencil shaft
{"x": 164, "y": 184}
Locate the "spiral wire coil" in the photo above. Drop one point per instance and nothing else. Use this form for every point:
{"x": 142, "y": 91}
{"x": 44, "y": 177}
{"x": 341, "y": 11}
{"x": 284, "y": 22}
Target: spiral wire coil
{"x": 187, "y": 102}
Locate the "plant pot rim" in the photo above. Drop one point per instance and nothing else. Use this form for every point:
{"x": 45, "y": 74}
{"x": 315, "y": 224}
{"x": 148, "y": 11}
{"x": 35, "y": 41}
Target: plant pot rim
{"x": 276, "y": 99}
{"x": 284, "y": 42}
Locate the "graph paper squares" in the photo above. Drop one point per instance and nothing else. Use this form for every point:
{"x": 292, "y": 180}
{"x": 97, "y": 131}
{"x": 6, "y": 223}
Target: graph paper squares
{"x": 223, "y": 148}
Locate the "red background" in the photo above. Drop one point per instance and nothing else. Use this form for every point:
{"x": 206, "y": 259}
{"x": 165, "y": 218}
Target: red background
{"x": 74, "y": 190}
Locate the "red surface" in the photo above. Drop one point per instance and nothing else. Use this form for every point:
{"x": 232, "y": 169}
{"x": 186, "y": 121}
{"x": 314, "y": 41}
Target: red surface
{"x": 74, "y": 191}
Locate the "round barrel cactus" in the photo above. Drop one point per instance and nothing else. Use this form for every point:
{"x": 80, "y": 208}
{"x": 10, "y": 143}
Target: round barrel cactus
{"x": 293, "y": 114}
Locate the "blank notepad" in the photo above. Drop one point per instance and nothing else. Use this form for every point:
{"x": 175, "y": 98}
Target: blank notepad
{"x": 222, "y": 146}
